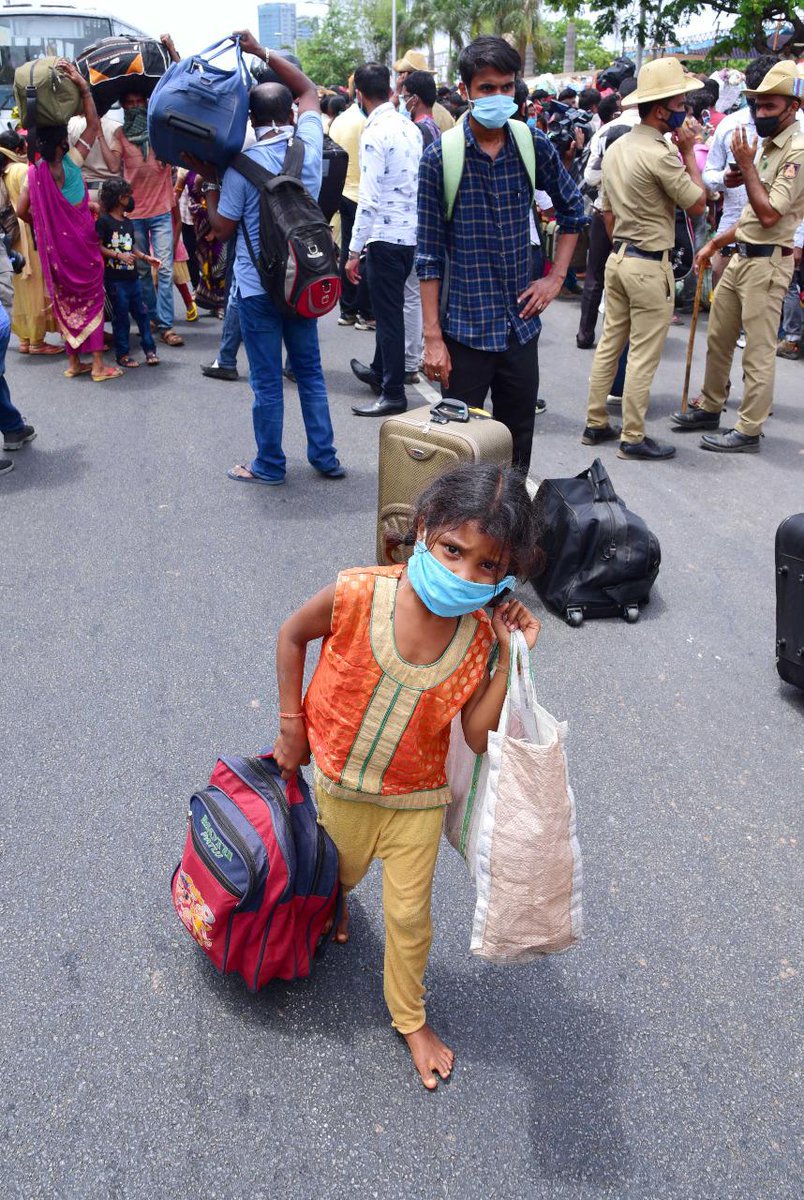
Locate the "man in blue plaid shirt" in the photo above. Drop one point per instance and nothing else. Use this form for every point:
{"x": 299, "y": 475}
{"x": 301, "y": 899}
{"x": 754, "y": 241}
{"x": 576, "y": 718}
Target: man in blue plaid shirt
{"x": 488, "y": 338}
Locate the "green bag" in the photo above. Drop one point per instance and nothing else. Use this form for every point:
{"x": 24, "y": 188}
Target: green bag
{"x": 453, "y": 153}
{"x": 57, "y": 98}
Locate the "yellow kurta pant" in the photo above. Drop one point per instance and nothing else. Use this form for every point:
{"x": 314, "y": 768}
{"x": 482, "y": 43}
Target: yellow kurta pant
{"x": 406, "y": 841}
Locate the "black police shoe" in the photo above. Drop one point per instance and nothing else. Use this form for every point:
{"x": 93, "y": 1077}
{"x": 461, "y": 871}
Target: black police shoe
{"x": 731, "y": 442}
{"x": 695, "y": 418}
{"x": 648, "y": 449}
{"x": 382, "y": 407}
{"x": 213, "y": 371}
{"x": 595, "y": 437}
{"x": 366, "y": 375}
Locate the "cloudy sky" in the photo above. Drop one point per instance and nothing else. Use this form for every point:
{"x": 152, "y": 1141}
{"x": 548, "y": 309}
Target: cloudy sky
{"x": 193, "y": 25}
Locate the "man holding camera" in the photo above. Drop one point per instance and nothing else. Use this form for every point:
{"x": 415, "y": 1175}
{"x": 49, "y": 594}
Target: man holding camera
{"x": 643, "y": 181}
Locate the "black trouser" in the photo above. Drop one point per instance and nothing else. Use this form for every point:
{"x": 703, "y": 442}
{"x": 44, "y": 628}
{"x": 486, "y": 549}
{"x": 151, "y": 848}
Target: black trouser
{"x": 387, "y": 268}
{"x": 512, "y": 376}
{"x": 355, "y": 300}
{"x": 599, "y": 251}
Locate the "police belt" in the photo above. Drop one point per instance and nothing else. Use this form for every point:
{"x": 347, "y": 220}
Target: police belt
{"x": 755, "y": 250}
{"x": 632, "y": 251}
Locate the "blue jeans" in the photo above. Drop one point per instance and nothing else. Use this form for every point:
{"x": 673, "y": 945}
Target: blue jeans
{"x": 154, "y": 235}
{"x": 127, "y": 300}
{"x": 10, "y": 417}
{"x": 231, "y": 337}
{"x": 264, "y": 329}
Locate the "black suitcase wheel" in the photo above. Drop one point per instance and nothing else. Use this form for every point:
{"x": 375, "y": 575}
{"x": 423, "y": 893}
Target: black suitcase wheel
{"x": 575, "y": 616}
{"x": 631, "y": 613}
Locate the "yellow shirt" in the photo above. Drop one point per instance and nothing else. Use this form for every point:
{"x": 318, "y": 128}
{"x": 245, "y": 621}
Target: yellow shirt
{"x": 781, "y": 169}
{"x": 643, "y": 182}
{"x": 346, "y": 130}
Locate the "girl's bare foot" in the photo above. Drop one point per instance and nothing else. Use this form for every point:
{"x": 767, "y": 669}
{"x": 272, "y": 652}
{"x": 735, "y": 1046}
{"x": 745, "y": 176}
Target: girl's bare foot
{"x": 342, "y": 932}
{"x": 430, "y": 1056}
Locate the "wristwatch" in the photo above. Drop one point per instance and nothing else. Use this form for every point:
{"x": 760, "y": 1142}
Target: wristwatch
{"x": 210, "y": 187}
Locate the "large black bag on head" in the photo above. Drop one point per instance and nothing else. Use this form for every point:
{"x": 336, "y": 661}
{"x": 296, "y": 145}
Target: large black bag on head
{"x": 790, "y": 600}
{"x": 296, "y": 257}
{"x": 117, "y": 66}
{"x": 601, "y": 558}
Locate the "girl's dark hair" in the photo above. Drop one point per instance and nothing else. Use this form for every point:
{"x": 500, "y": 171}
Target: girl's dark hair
{"x": 493, "y": 498}
{"x": 111, "y": 193}
{"x": 49, "y": 139}
{"x": 11, "y": 140}
{"x": 488, "y": 51}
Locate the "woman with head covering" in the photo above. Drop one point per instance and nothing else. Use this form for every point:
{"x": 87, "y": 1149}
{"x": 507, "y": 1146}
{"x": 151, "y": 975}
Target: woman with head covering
{"x": 55, "y": 201}
{"x": 32, "y": 317}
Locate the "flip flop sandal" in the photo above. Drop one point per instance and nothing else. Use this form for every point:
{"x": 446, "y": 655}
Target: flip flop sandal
{"x": 232, "y": 474}
{"x": 112, "y": 373}
{"x": 84, "y": 369}
{"x": 45, "y": 348}
{"x": 170, "y": 338}
{"x": 127, "y": 361}
{"x": 152, "y": 359}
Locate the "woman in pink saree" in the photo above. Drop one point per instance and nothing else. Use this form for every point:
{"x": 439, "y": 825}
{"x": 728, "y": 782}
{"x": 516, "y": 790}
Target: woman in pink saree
{"x": 55, "y": 202}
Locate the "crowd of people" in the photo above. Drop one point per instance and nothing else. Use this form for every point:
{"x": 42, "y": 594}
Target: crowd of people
{"x": 455, "y": 235}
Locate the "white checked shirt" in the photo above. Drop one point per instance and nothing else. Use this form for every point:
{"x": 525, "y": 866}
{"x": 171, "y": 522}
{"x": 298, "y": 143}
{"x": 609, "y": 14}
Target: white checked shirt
{"x": 390, "y": 149}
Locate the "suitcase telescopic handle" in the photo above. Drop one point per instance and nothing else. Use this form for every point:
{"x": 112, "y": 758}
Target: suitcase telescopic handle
{"x": 450, "y": 410}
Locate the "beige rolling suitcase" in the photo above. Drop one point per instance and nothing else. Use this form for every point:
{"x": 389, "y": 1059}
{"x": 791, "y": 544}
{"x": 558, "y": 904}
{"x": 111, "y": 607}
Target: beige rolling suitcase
{"x": 418, "y": 446}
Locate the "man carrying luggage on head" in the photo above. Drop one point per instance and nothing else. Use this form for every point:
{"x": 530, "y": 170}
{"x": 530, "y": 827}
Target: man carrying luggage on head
{"x": 475, "y": 267}
{"x": 643, "y": 182}
{"x": 262, "y": 325}
{"x": 753, "y": 285}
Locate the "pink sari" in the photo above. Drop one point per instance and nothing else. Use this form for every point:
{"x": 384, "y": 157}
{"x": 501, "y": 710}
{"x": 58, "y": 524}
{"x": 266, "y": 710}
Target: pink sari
{"x": 72, "y": 264}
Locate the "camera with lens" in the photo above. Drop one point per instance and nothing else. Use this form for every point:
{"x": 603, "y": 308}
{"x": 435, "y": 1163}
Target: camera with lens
{"x": 561, "y": 126}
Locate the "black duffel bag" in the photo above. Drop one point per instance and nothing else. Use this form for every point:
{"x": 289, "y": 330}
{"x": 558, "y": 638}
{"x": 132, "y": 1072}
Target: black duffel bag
{"x": 602, "y": 559}
{"x": 116, "y": 66}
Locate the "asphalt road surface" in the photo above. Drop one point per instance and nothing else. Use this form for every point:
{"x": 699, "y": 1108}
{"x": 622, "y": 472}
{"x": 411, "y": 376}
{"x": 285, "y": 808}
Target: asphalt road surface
{"x": 140, "y": 595}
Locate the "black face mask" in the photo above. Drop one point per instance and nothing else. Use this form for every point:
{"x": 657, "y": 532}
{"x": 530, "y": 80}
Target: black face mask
{"x": 129, "y": 205}
{"x": 768, "y": 127}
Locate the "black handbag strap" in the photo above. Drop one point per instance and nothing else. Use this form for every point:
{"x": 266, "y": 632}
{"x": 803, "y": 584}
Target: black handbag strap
{"x": 602, "y": 486}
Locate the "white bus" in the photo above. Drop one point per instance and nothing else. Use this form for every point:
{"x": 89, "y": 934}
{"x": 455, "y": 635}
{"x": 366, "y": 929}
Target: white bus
{"x": 29, "y": 31}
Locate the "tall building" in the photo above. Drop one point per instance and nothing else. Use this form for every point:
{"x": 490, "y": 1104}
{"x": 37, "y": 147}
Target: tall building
{"x": 277, "y": 25}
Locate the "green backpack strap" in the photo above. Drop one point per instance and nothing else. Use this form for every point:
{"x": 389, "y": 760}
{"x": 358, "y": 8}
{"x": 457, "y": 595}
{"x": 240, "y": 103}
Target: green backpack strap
{"x": 453, "y": 154}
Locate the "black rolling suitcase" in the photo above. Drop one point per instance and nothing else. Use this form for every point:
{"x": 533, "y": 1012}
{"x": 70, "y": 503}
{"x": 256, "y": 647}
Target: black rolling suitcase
{"x": 602, "y": 559}
{"x": 790, "y": 600}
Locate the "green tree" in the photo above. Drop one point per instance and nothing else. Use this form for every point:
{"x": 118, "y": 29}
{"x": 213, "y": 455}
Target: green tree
{"x": 589, "y": 53}
{"x": 330, "y": 56}
{"x": 740, "y": 22}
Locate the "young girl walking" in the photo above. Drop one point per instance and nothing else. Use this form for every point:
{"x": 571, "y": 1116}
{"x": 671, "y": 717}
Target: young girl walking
{"x": 405, "y": 650}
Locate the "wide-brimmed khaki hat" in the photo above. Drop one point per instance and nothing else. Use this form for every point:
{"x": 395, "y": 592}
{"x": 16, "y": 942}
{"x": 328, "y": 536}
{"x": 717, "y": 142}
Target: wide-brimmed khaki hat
{"x": 782, "y": 80}
{"x": 413, "y": 60}
{"x": 660, "y": 79}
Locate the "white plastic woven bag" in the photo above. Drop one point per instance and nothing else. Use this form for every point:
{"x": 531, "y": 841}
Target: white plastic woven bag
{"x": 512, "y": 818}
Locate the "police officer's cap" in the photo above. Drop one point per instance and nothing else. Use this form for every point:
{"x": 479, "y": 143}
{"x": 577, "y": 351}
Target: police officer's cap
{"x": 660, "y": 79}
{"x": 782, "y": 80}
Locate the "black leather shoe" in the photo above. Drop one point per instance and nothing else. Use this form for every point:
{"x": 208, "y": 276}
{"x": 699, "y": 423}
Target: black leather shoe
{"x": 213, "y": 372}
{"x": 366, "y": 375}
{"x": 730, "y": 442}
{"x": 605, "y": 433}
{"x": 695, "y": 418}
{"x": 585, "y": 343}
{"x": 647, "y": 449}
{"x": 380, "y": 408}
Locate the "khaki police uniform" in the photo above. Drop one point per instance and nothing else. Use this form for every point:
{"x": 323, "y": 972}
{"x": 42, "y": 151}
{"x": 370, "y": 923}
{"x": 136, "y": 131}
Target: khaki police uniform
{"x": 752, "y": 289}
{"x": 643, "y": 182}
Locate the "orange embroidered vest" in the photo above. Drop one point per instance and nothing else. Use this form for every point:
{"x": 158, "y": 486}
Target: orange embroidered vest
{"x": 379, "y": 725}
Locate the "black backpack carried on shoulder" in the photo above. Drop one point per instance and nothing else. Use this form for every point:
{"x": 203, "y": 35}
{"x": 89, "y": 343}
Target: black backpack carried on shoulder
{"x": 602, "y": 559}
{"x": 296, "y": 257}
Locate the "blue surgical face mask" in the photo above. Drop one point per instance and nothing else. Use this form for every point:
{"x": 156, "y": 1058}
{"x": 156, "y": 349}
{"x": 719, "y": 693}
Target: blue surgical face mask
{"x": 676, "y": 119}
{"x": 444, "y": 592}
{"x": 493, "y": 111}
{"x": 404, "y": 110}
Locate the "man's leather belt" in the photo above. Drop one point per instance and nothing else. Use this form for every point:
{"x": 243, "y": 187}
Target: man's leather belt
{"x": 752, "y": 250}
{"x": 632, "y": 251}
